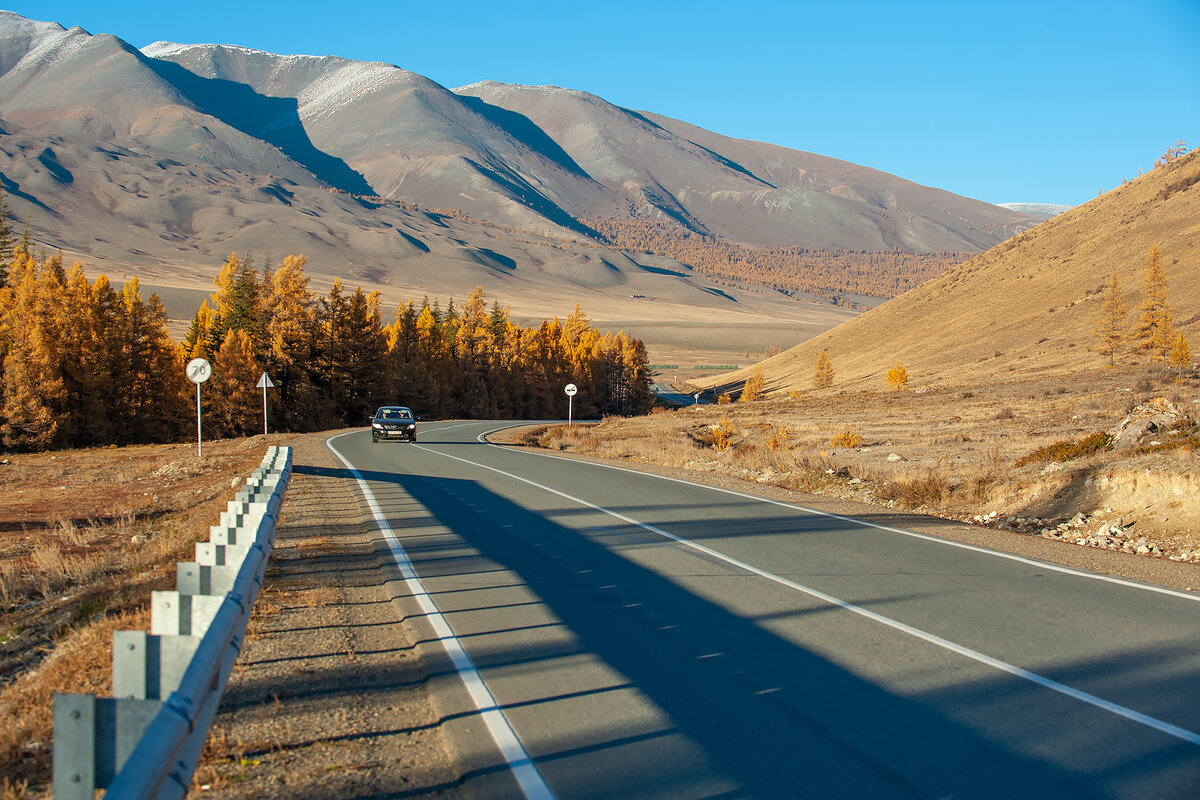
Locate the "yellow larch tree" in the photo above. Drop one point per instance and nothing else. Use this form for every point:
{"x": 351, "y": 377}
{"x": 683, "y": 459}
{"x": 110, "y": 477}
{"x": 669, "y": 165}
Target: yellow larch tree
{"x": 233, "y": 402}
{"x": 823, "y": 370}
{"x": 1154, "y": 332}
{"x": 1111, "y": 331}
{"x": 753, "y": 390}
{"x": 1181, "y": 354}
{"x": 897, "y": 377}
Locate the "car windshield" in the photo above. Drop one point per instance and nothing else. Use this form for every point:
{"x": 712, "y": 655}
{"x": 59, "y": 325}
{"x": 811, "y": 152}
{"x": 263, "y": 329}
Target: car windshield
{"x": 393, "y": 413}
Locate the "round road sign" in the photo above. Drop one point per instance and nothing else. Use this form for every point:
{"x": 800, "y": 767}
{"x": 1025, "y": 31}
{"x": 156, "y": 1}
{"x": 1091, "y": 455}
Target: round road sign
{"x": 199, "y": 370}
{"x": 571, "y": 390}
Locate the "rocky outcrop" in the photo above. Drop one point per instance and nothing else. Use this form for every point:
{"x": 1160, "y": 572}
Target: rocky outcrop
{"x": 1156, "y": 416}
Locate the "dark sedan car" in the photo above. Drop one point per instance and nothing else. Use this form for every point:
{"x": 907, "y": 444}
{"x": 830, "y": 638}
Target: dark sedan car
{"x": 394, "y": 422}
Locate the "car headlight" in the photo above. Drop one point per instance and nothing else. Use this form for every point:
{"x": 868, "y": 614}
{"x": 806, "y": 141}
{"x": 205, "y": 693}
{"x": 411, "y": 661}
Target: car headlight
{"x": 377, "y": 425}
{"x": 412, "y": 427}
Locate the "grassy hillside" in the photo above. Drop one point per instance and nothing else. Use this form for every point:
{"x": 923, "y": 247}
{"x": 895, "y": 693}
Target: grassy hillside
{"x": 1027, "y": 307}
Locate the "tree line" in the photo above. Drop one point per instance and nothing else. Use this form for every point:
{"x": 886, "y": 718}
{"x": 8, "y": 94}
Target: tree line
{"x": 84, "y": 364}
{"x": 828, "y": 274}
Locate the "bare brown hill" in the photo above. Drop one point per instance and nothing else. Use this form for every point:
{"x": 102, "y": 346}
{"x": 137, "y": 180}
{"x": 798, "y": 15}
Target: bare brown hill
{"x": 155, "y": 154}
{"x": 1026, "y": 308}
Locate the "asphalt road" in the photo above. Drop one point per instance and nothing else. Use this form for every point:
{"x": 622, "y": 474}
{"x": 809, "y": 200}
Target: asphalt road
{"x": 616, "y": 634}
{"x": 664, "y": 393}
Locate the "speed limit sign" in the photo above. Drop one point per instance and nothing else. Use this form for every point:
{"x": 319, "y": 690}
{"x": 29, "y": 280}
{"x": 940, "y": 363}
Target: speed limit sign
{"x": 198, "y": 371}
{"x": 571, "y": 390}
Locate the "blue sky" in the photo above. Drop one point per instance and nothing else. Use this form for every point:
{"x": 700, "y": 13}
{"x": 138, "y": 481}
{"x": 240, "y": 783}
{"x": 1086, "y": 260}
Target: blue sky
{"x": 1021, "y": 101}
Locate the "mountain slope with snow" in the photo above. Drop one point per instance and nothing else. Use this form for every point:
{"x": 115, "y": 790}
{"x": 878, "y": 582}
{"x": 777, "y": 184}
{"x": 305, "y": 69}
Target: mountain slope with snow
{"x": 166, "y": 159}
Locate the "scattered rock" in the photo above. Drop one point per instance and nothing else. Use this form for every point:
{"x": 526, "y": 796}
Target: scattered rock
{"x": 896, "y": 457}
{"x": 1156, "y": 416}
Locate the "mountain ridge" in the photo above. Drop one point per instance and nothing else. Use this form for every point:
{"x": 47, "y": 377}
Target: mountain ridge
{"x": 426, "y": 143}
{"x": 163, "y": 160}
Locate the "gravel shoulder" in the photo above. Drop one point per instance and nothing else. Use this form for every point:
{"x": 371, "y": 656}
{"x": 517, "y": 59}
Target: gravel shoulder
{"x": 329, "y": 698}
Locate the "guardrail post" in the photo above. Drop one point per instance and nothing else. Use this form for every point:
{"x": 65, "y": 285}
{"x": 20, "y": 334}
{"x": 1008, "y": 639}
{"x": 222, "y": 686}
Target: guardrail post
{"x": 147, "y": 666}
{"x": 93, "y": 736}
{"x": 146, "y": 741}
{"x": 179, "y": 614}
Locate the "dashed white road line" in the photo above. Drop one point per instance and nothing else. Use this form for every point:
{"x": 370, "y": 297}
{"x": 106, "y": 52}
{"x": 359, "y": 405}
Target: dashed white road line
{"x": 1048, "y": 683}
{"x": 1146, "y": 587}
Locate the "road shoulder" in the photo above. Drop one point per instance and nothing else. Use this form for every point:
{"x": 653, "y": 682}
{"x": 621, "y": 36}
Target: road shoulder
{"x": 1157, "y": 571}
{"x": 330, "y": 696}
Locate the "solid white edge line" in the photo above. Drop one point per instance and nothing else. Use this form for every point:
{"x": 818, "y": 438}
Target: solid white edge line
{"x": 532, "y": 784}
{"x": 1003, "y": 666}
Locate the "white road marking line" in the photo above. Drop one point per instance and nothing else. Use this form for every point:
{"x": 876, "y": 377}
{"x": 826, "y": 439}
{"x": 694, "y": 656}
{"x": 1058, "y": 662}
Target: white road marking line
{"x": 533, "y": 785}
{"x": 1003, "y": 666}
{"x": 1147, "y": 587}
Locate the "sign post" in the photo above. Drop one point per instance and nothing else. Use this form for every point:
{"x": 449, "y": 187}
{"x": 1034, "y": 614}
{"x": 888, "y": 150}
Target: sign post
{"x": 265, "y": 383}
{"x": 198, "y": 371}
{"x": 570, "y": 391}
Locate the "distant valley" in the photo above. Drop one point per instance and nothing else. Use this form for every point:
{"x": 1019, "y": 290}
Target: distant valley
{"x": 158, "y": 163}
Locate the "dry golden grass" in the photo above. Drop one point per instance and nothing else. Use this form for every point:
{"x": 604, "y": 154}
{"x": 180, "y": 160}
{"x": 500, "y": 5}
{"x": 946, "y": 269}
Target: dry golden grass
{"x": 85, "y": 536}
{"x": 80, "y": 663}
{"x": 1026, "y": 309}
{"x": 953, "y": 452}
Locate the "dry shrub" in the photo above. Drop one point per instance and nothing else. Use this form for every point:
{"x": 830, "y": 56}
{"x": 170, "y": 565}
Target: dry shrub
{"x": 927, "y": 489}
{"x": 557, "y": 437}
{"x": 10, "y": 581}
{"x": 531, "y": 437}
{"x": 1066, "y": 450}
{"x": 724, "y": 399}
{"x": 747, "y": 454}
{"x": 48, "y": 560}
{"x": 722, "y": 434}
{"x": 807, "y": 473}
{"x": 989, "y": 471}
{"x": 81, "y": 664}
{"x": 779, "y": 439}
{"x": 68, "y": 533}
{"x": 1185, "y": 444}
{"x": 1179, "y": 185}
{"x": 847, "y": 438}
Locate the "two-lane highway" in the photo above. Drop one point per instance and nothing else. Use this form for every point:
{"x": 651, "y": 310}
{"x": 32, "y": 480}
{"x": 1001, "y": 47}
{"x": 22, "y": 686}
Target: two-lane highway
{"x": 626, "y": 635}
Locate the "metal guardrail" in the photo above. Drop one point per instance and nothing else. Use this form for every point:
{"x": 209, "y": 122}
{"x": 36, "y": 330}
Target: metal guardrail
{"x": 146, "y": 741}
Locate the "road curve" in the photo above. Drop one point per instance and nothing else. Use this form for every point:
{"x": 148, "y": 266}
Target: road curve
{"x": 624, "y": 635}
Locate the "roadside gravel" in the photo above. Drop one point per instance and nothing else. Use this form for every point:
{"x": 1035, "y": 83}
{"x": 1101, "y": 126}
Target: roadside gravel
{"x": 329, "y": 698}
